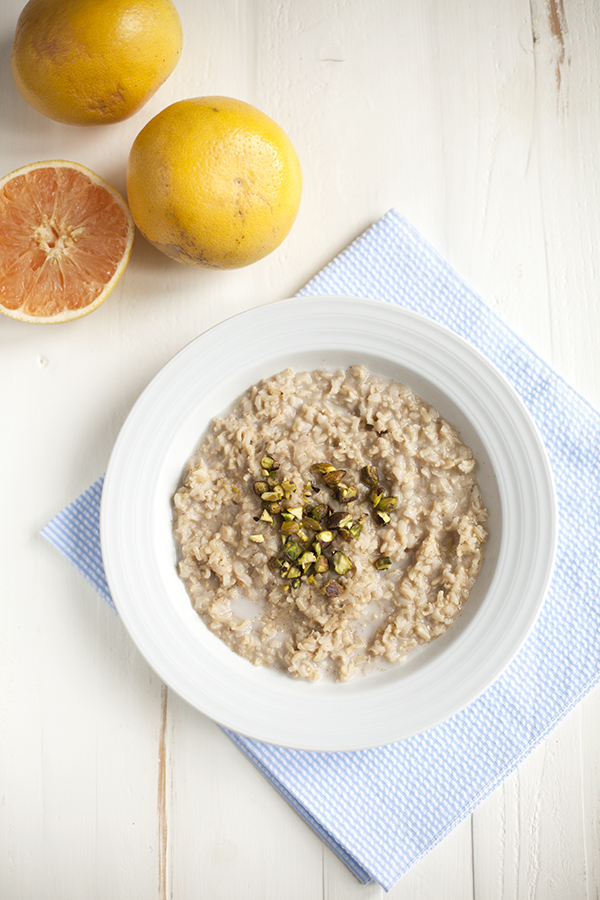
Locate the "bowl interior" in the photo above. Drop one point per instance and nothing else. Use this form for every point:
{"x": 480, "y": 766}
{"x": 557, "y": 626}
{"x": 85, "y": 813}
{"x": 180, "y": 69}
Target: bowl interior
{"x": 167, "y": 425}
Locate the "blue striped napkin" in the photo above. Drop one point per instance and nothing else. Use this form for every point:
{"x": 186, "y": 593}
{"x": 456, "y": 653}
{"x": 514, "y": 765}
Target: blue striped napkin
{"x": 381, "y": 810}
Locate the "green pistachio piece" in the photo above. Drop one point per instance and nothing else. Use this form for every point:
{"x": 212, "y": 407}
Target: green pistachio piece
{"x": 333, "y": 478}
{"x": 295, "y": 511}
{"x": 272, "y": 480}
{"x": 334, "y": 519}
{"x": 376, "y": 496}
{"x": 332, "y": 589}
{"x": 295, "y": 583}
{"x": 307, "y": 522}
{"x": 384, "y": 562}
{"x": 286, "y": 515}
{"x": 322, "y": 468}
{"x": 356, "y": 528}
{"x": 260, "y": 487}
{"x": 321, "y": 565}
{"x": 292, "y": 548}
{"x": 383, "y": 517}
{"x": 266, "y": 516}
{"x": 346, "y": 493}
{"x": 273, "y": 495}
{"x": 287, "y": 488}
{"x": 387, "y": 504}
{"x": 267, "y": 462}
{"x": 257, "y": 538}
{"x": 370, "y": 475}
{"x": 341, "y": 563}
{"x": 325, "y": 538}
{"x": 274, "y": 507}
{"x": 293, "y": 572}
{"x": 306, "y": 560}
{"x": 320, "y": 512}
{"x": 290, "y": 527}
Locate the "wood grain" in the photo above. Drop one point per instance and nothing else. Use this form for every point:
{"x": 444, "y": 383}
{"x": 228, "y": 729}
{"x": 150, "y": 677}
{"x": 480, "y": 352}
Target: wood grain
{"x": 481, "y": 123}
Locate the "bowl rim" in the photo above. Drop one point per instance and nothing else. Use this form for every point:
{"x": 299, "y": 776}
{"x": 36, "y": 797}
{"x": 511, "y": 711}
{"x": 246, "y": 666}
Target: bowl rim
{"x": 267, "y": 705}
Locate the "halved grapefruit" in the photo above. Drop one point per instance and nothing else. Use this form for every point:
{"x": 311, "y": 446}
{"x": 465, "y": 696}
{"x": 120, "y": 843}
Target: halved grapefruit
{"x": 65, "y": 240}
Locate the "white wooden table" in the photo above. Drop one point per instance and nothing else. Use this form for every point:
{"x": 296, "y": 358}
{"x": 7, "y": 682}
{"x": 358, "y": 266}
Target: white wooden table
{"x": 480, "y": 122}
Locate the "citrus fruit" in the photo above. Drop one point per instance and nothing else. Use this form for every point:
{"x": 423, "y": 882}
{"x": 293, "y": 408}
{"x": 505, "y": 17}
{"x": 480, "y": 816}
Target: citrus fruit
{"x": 213, "y": 182}
{"x": 92, "y": 62}
{"x": 65, "y": 240}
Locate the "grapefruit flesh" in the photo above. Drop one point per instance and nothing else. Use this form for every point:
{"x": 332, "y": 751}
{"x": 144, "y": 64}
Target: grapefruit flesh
{"x": 65, "y": 240}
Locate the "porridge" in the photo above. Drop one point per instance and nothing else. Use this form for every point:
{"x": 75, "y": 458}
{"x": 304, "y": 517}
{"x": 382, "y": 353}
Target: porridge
{"x": 331, "y": 521}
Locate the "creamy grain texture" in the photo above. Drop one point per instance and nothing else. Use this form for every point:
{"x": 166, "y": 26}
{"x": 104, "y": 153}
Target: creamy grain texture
{"x": 434, "y": 539}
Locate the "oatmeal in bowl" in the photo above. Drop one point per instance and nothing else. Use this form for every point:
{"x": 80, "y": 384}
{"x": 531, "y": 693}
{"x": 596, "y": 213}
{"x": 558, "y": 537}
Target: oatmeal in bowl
{"x": 384, "y": 633}
{"x": 330, "y": 524}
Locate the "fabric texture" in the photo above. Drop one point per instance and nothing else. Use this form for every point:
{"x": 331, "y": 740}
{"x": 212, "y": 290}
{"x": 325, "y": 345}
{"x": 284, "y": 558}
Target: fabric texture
{"x": 381, "y": 810}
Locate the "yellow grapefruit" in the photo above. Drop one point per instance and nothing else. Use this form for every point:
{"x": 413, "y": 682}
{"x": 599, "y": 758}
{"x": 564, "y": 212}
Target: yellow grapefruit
{"x": 213, "y": 182}
{"x": 65, "y": 240}
{"x": 92, "y": 62}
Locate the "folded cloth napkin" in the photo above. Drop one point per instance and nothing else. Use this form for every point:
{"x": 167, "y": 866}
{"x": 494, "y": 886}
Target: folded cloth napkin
{"x": 381, "y": 810}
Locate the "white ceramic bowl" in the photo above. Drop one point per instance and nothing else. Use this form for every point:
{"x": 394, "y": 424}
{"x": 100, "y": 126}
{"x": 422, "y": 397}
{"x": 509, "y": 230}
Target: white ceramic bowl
{"x": 166, "y": 425}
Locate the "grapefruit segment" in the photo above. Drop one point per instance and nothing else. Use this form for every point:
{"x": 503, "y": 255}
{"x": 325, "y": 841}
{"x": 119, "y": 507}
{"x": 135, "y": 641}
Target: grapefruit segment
{"x": 65, "y": 240}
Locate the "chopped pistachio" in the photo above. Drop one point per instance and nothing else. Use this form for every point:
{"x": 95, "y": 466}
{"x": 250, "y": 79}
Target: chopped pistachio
{"x": 274, "y": 495}
{"x": 370, "y": 475}
{"x": 286, "y": 515}
{"x": 274, "y": 507}
{"x": 332, "y": 589}
{"x": 267, "y": 462}
{"x": 266, "y": 516}
{"x": 320, "y": 512}
{"x": 322, "y": 468}
{"x": 321, "y": 565}
{"x": 334, "y": 519}
{"x": 307, "y": 522}
{"x": 316, "y": 548}
{"x": 384, "y": 562}
{"x": 290, "y": 527}
{"x": 341, "y": 563}
{"x": 324, "y": 538}
{"x": 383, "y": 517}
{"x": 356, "y": 528}
{"x": 333, "y": 478}
{"x": 308, "y": 490}
{"x": 285, "y": 567}
{"x": 345, "y": 521}
{"x": 287, "y": 488}
{"x": 260, "y": 487}
{"x": 302, "y": 534}
{"x": 310, "y": 579}
{"x": 295, "y": 511}
{"x": 293, "y": 572}
{"x": 376, "y": 496}
{"x": 387, "y": 504}
{"x": 257, "y": 538}
{"x": 295, "y": 583}
{"x": 346, "y": 493}
{"x": 307, "y": 559}
{"x": 275, "y": 564}
{"x": 272, "y": 480}
{"x": 292, "y": 548}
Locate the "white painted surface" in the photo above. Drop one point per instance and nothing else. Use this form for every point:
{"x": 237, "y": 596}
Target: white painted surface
{"x": 480, "y": 122}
